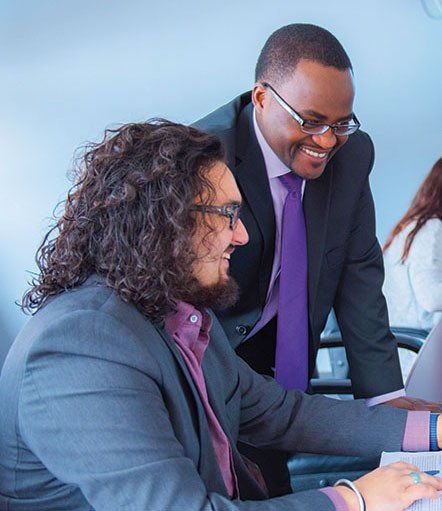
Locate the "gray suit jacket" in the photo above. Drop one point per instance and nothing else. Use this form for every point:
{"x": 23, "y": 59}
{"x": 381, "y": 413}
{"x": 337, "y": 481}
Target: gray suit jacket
{"x": 345, "y": 267}
{"x": 100, "y": 412}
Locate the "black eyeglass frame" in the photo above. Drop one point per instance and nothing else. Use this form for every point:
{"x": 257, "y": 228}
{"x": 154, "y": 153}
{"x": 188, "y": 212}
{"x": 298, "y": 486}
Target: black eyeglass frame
{"x": 314, "y": 128}
{"x": 230, "y": 211}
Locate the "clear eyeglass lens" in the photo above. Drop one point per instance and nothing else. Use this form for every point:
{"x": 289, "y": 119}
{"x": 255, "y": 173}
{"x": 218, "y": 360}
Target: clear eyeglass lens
{"x": 319, "y": 129}
{"x": 346, "y": 130}
{"x": 314, "y": 129}
{"x": 234, "y": 217}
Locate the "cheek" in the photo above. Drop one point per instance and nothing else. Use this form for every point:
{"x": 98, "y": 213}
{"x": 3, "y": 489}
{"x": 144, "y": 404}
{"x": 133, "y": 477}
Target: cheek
{"x": 213, "y": 246}
{"x": 290, "y": 134}
{"x": 197, "y": 243}
{"x": 278, "y": 129}
{"x": 286, "y": 139}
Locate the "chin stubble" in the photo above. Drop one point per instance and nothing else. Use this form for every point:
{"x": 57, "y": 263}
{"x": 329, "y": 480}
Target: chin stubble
{"x": 219, "y": 296}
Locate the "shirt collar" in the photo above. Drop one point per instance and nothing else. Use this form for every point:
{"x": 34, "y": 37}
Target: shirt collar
{"x": 188, "y": 320}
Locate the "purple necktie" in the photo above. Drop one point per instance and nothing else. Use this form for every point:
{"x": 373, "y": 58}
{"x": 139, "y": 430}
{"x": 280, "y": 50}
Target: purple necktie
{"x": 291, "y": 364}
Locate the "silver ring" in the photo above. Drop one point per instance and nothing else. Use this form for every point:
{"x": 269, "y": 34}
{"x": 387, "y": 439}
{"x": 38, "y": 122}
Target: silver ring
{"x": 416, "y": 477}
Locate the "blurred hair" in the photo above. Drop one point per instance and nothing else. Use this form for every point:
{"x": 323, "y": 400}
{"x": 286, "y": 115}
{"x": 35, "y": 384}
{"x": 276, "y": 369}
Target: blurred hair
{"x": 288, "y": 45}
{"x": 426, "y": 204}
{"x": 128, "y": 217}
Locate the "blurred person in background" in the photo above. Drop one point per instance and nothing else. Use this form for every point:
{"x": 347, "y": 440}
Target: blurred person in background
{"x": 413, "y": 259}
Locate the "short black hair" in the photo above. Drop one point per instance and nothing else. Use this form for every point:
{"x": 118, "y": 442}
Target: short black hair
{"x": 288, "y": 45}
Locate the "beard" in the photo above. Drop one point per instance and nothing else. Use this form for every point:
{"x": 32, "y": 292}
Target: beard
{"x": 219, "y": 296}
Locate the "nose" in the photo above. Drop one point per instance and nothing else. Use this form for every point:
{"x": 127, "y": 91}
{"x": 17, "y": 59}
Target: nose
{"x": 326, "y": 140}
{"x": 240, "y": 234}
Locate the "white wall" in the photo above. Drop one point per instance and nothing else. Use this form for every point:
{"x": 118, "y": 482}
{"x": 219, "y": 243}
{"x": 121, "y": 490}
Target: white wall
{"x": 69, "y": 69}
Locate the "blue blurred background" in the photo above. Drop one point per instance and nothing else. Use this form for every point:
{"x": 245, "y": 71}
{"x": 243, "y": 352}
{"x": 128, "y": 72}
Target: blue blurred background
{"x": 70, "y": 69}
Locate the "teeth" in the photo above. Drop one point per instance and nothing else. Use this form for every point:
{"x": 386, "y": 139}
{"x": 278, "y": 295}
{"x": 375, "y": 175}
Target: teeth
{"x": 313, "y": 153}
{"x": 227, "y": 256}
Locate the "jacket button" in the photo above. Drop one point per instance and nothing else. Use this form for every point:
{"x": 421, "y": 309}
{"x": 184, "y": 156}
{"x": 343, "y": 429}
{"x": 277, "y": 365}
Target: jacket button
{"x": 323, "y": 483}
{"x": 242, "y": 329}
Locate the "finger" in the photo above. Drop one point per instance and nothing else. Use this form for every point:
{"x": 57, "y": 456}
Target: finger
{"x": 420, "y": 491}
{"x": 403, "y": 466}
{"x": 433, "y": 407}
{"x": 435, "y": 482}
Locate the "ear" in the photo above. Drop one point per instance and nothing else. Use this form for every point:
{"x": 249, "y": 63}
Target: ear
{"x": 259, "y": 97}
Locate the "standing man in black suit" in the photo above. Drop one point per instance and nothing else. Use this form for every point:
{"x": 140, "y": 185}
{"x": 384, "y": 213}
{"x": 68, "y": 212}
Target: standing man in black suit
{"x": 298, "y": 121}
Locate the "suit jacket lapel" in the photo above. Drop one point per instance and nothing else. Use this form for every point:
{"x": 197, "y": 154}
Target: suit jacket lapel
{"x": 214, "y": 395}
{"x": 249, "y": 488}
{"x": 206, "y": 466}
{"x": 316, "y": 204}
{"x": 251, "y": 175}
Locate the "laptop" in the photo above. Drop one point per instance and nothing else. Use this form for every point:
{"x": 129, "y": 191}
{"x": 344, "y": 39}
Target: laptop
{"x": 424, "y": 380}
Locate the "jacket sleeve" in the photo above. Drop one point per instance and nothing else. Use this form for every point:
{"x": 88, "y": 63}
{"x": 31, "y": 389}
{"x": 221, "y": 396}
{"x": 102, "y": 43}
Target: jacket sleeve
{"x": 361, "y": 308}
{"x": 293, "y": 421}
{"x": 101, "y": 424}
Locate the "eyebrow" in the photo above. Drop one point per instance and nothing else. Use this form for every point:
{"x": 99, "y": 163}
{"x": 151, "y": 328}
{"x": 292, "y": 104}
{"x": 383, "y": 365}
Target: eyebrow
{"x": 321, "y": 117}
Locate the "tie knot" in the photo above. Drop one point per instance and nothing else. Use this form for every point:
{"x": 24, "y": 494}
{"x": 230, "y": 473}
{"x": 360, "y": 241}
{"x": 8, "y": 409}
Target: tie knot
{"x": 291, "y": 181}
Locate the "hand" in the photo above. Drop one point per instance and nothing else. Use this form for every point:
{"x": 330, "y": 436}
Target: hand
{"x": 411, "y": 403}
{"x": 391, "y": 488}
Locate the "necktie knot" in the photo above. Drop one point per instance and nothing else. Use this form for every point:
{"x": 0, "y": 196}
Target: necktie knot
{"x": 292, "y": 182}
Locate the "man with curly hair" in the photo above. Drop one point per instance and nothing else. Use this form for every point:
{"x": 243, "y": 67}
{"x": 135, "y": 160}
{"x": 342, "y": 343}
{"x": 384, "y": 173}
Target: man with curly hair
{"x": 123, "y": 393}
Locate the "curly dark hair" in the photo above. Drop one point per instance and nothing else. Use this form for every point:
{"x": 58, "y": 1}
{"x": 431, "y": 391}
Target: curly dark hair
{"x": 128, "y": 217}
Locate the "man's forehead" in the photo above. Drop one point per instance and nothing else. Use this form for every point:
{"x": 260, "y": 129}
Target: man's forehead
{"x": 323, "y": 89}
{"x": 227, "y": 191}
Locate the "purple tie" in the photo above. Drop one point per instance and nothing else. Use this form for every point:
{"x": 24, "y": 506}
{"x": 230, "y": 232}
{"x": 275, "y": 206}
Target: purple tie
{"x": 292, "y": 330}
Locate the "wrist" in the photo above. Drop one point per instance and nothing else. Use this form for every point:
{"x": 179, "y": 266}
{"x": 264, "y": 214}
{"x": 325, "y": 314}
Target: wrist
{"x": 349, "y": 496}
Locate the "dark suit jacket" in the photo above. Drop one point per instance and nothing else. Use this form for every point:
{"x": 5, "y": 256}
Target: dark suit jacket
{"x": 345, "y": 267}
{"x": 99, "y": 411}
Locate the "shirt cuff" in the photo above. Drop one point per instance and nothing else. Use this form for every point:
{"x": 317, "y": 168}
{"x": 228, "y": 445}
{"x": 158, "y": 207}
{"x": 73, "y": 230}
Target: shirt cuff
{"x": 417, "y": 432}
{"x": 337, "y": 499}
{"x": 378, "y": 400}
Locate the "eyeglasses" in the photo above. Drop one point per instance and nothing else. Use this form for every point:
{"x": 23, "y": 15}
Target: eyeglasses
{"x": 231, "y": 211}
{"x": 340, "y": 129}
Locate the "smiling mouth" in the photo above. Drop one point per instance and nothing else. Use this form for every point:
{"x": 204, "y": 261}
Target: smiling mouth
{"x": 318, "y": 155}
{"x": 226, "y": 255}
